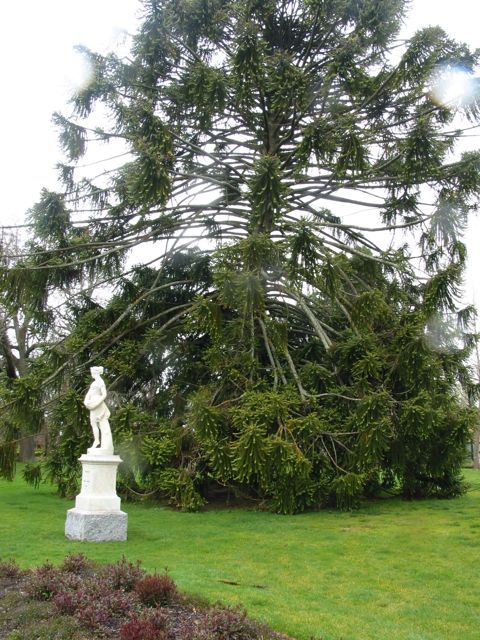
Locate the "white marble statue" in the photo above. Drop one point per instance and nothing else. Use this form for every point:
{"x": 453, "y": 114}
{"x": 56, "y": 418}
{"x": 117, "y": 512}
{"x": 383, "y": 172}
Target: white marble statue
{"x": 96, "y": 516}
{"x": 99, "y": 413}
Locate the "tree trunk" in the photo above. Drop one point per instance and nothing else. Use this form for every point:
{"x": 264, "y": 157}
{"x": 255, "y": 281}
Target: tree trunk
{"x": 27, "y": 449}
{"x": 476, "y": 435}
{"x": 476, "y": 450}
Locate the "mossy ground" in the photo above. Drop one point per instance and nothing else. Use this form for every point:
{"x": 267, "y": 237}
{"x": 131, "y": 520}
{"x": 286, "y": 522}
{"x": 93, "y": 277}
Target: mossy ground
{"x": 22, "y": 618}
{"x": 393, "y": 570}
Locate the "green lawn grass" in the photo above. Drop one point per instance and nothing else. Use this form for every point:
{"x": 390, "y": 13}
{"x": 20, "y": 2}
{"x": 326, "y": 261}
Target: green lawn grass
{"x": 394, "y": 570}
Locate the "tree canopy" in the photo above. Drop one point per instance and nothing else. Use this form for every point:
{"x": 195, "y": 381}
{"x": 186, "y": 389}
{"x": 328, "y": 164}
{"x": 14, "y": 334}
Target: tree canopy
{"x": 257, "y": 341}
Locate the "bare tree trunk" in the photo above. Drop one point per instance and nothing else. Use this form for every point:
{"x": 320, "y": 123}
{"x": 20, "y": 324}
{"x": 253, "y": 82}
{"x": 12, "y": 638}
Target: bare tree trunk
{"x": 476, "y": 449}
{"x": 27, "y": 449}
{"x": 476, "y": 435}
{"x": 17, "y": 367}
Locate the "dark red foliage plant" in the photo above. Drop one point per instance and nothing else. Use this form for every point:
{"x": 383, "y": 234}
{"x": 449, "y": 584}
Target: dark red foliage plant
{"x": 156, "y": 590}
{"x": 9, "y": 569}
{"x": 95, "y": 606}
{"x": 123, "y": 575}
{"x": 76, "y": 563}
{"x": 66, "y": 602}
{"x": 96, "y": 610}
{"x": 46, "y": 581}
{"x": 141, "y": 629}
{"x": 230, "y": 624}
{"x": 155, "y": 616}
{"x": 94, "y": 614}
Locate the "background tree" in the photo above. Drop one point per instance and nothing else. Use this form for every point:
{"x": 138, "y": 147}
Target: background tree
{"x": 24, "y": 328}
{"x": 277, "y": 375}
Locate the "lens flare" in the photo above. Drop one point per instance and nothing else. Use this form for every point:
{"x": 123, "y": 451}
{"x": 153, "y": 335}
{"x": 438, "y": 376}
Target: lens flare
{"x": 83, "y": 75}
{"x": 452, "y": 87}
{"x": 80, "y": 72}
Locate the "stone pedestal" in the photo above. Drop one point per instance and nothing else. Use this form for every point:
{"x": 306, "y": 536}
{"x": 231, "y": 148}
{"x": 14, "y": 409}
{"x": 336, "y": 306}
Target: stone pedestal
{"x": 97, "y": 516}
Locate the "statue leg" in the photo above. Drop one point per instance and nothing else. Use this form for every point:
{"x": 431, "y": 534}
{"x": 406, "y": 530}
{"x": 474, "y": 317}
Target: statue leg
{"x": 96, "y": 433}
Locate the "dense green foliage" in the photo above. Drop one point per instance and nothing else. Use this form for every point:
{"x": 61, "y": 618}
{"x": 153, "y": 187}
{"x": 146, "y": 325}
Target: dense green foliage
{"x": 325, "y": 574}
{"x": 263, "y": 347}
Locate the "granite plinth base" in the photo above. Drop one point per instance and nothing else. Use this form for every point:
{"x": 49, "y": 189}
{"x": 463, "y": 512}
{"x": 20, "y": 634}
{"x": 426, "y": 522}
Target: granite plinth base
{"x": 98, "y": 526}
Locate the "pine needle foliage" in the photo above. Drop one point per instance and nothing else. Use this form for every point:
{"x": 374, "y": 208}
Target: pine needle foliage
{"x": 268, "y": 347}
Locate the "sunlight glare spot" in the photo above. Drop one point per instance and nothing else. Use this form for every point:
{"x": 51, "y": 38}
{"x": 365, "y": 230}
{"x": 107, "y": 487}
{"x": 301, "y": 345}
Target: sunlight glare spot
{"x": 80, "y": 72}
{"x": 451, "y": 87}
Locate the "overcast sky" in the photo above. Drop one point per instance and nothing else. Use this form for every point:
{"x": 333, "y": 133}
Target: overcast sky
{"x": 39, "y": 69}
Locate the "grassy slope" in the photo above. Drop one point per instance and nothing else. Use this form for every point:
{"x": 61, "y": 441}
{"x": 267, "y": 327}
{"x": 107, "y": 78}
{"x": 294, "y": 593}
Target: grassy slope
{"x": 392, "y": 571}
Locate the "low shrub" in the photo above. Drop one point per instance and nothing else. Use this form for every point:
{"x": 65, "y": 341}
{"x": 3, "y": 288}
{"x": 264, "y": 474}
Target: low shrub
{"x": 121, "y": 604}
{"x": 156, "y": 590}
{"x": 141, "y": 629}
{"x": 76, "y": 563}
{"x": 94, "y": 614}
{"x": 157, "y": 617}
{"x": 66, "y": 602}
{"x": 230, "y": 623}
{"x": 47, "y": 581}
{"x": 90, "y": 598}
{"x": 96, "y": 610}
{"x": 9, "y": 569}
{"x": 123, "y": 575}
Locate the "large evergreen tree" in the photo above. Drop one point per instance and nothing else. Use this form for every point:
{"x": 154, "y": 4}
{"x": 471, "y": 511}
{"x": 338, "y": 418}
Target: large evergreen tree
{"x": 286, "y": 358}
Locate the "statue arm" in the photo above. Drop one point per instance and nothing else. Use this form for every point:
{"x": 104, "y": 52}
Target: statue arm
{"x": 103, "y": 392}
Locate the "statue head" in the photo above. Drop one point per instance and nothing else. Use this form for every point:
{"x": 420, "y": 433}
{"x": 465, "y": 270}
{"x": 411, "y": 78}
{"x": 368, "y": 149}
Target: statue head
{"x": 96, "y": 371}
